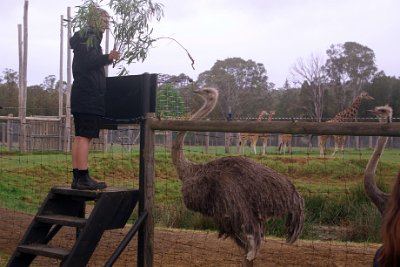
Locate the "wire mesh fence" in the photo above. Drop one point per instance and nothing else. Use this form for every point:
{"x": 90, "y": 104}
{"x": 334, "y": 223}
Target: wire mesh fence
{"x": 341, "y": 228}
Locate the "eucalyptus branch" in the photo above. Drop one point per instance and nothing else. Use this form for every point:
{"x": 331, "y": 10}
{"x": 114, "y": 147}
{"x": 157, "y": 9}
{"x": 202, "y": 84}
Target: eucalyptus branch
{"x": 187, "y": 52}
{"x": 131, "y": 30}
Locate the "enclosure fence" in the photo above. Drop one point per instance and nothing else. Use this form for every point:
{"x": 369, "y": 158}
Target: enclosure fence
{"x": 342, "y": 227}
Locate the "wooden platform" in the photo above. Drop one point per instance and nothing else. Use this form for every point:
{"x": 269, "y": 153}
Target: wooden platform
{"x": 66, "y": 207}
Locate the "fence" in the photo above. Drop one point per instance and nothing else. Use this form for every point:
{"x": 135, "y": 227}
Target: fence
{"x": 48, "y": 134}
{"x": 26, "y": 179}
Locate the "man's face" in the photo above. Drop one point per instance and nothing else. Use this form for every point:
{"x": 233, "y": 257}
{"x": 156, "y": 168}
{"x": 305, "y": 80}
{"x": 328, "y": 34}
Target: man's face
{"x": 104, "y": 22}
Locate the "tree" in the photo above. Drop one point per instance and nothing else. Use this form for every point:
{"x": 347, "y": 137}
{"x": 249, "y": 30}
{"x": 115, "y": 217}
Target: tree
{"x": 9, "y": 93}
{"x": 243, "y": 85}
{"x": 10, "y": 77}
{"x": 169, "y": 102}
{"x": 49, "y": 82}
{"x": 312, "y": 77}
{"x": 285, "y": 108}
{"x": 349, "y": 66}
{"x": 41, "y": 101}
{"x": 385, "y": 90}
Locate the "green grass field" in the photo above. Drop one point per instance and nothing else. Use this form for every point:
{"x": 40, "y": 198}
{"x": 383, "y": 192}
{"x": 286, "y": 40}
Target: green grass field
{"x": 332, "y": 188}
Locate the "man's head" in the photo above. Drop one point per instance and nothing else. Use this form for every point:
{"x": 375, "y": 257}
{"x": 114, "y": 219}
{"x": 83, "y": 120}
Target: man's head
{"x": 99, "y": 19}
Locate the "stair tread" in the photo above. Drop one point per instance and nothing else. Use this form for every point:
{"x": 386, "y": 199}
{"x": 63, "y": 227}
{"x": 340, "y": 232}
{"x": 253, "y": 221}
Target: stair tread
{"x": 90, "y": 194}
{"x": 62, "y": 220}
{"x": 44, "y": 250}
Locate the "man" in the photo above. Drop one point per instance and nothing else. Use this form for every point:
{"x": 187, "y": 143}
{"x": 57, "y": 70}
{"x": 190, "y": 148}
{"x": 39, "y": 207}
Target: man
{"x": 87, "y": 94}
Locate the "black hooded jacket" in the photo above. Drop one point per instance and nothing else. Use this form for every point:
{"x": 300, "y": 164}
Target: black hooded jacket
{"x": 89, "y": 86}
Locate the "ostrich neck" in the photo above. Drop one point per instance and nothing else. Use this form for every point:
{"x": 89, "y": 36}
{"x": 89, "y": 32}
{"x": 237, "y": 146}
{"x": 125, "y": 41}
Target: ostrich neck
{"x": 182, "y": 164}
{"x": 378, "y": 197}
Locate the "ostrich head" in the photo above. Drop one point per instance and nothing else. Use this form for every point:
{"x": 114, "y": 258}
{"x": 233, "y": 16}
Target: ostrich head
{"x": 210, "y": 97}
{"x": 384, "y": 113}
{"x": 365, "y": 95}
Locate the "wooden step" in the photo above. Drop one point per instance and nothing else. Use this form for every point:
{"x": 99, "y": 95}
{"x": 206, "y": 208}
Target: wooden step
{"x": 88, "y": 194}
{"x": 44, "y": 250}
{"x": 62, "y": 220}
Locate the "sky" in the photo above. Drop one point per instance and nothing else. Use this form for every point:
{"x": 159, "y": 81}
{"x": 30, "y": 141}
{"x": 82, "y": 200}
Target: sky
{"x": 275, "y": 33}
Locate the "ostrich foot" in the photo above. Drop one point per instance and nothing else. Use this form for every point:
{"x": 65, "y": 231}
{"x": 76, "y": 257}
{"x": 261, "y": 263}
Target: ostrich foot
{"x": 251, "y": 249}
{"x": 247, "y": 263}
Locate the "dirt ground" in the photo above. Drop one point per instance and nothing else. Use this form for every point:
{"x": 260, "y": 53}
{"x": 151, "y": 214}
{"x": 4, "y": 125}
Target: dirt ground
{"x": 177, "y": 248}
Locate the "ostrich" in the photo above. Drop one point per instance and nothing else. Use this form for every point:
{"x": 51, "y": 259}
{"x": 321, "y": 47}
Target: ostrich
{"x": 239, "y": 194}
{"x": 379, "y": 198}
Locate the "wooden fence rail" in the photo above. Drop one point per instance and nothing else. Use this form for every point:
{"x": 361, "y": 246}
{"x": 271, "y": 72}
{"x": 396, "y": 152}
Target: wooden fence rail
{"x": 314, "y": 128}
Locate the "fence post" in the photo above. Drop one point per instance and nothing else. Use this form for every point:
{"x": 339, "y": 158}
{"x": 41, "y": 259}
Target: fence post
{"x": 9, "y": 131}
{"x": 146, "y": 202}
{"x": 3, "y": 133}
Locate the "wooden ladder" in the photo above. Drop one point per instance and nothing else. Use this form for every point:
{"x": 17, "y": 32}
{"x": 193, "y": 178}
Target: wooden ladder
{"x": 64, "y": 206}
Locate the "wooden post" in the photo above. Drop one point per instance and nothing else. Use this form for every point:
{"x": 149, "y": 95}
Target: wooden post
{"x": 146, "y": 203}
{"x": 23, "y": 68}
{"x": 104, "y": 132}
{"x": 61, "y": 83}
{"x": 207, "y": 141}
{"x": 21, "y": 85}
{"x": 67, "y": 132}
{"x": 9, "y": 132}
{"x": 107, "y": 49}
{"x": 145, "y": 255}
{"x": 61, "y": 78}
{"x": 3, "y": 133}
{"x": 227, "y": 142}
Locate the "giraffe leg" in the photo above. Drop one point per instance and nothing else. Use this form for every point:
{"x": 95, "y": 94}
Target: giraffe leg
{"x": 264, "y": 146}
{"x": 336, "y": 146}
{"x": 338, "y": 143}
{"x": 253, "y": 144}
{"x": 254, "y": 147}
{"x": 322, "y": 143}
{"x": 342, "y": 141}
{"x": 242, "y": 143}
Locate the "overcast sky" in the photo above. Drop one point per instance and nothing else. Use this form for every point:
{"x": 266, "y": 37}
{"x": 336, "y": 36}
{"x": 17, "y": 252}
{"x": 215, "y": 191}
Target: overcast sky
{"x": 275, "y": 33}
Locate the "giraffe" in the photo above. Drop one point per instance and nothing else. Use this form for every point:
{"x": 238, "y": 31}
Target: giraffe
{"x": 264, "y": 137}
{"x": 244, "y": 137}
{"x": 345, "y": 115}
{"x": 285, "y": 140}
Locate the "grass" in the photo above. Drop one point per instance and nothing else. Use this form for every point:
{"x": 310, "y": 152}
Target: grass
{"x": 332, "y": 188}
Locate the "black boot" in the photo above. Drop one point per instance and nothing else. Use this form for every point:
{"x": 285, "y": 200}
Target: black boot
{"x": 85, "y": 182}
{"x": 74, "y": 178}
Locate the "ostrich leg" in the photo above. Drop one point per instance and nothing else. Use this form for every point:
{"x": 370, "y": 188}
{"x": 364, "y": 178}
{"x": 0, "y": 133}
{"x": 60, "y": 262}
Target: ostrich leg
{"x": 247, "y": 263}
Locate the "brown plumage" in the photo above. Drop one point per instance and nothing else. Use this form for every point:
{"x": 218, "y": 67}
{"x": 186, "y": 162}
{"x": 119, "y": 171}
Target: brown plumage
{"x": 379, "y": 198}
{"x": 238, "y": 193}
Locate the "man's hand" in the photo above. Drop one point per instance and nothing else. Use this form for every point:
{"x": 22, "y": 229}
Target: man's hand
{"x": 114, "y": 55}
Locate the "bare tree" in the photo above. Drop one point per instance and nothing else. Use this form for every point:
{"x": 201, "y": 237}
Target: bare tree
{"x": 349, "y": 66}
{"x": 311, "y": 75}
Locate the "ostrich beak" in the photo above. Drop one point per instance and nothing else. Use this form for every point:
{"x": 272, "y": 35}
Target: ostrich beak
{"x": 372, "y": 111}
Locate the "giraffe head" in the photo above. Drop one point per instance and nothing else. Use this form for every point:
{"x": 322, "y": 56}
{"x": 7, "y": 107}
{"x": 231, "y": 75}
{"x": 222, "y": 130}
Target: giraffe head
{"x": 365, "y": 95}
{"x": 384, "y": 113}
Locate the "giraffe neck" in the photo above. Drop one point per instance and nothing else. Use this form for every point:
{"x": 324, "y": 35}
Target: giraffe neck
{"x": 350, "y": 112}
{"x": 260, "y": 116}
